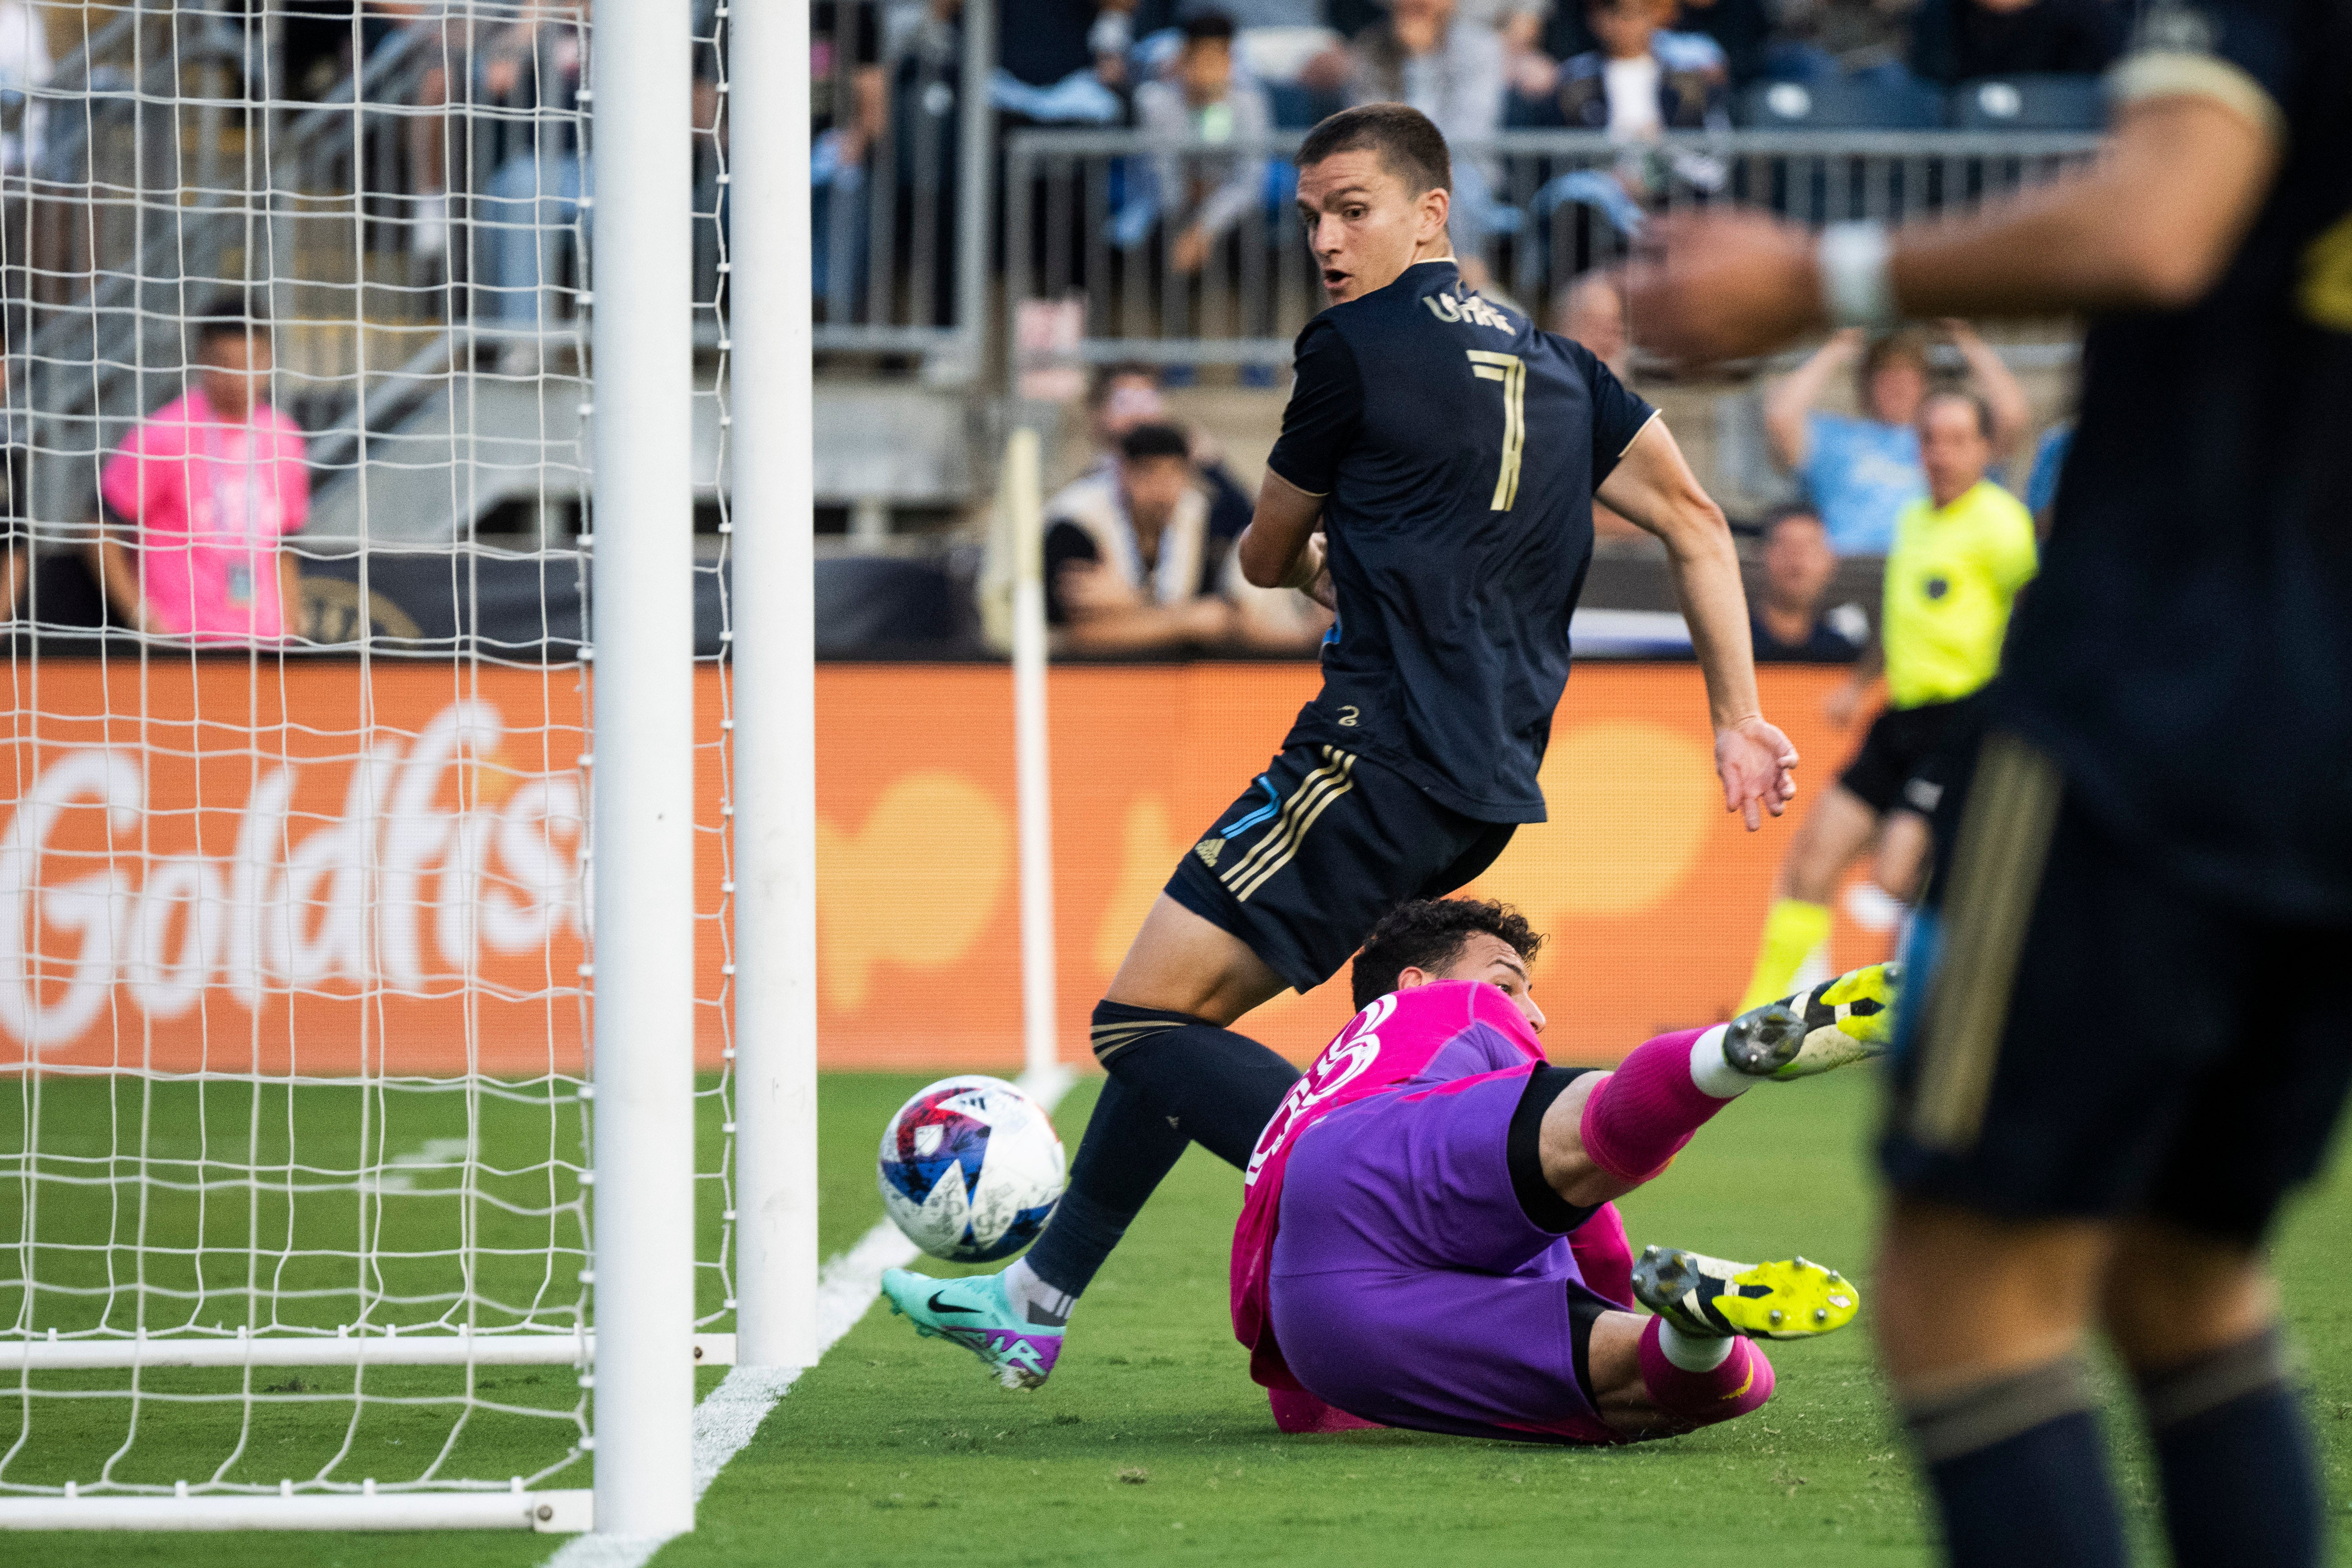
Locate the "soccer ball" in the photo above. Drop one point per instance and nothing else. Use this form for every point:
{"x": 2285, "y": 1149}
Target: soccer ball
{"x": 970, "y": 1169}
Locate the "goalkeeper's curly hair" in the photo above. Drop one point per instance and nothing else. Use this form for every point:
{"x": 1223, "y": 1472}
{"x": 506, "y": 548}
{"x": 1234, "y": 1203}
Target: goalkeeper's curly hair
{"x": 1429, "y": 933}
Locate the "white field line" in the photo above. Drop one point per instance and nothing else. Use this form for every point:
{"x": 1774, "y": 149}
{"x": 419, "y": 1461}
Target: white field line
{"x": 726, "y": 1421}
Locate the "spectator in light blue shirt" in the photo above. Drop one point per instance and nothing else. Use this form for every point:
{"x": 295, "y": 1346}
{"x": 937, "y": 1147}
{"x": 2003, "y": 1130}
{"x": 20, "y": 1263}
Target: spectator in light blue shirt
{"x": 1861, "y": 471}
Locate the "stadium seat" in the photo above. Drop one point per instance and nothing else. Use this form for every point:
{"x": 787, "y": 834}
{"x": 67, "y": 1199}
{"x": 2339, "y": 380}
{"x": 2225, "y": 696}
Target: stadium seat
{"x": 1850, "y": 103}
{"x": 2029, "y": 103}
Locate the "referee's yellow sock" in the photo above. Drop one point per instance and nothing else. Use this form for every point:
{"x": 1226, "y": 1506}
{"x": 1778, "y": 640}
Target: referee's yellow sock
{"x": 1791, "y": 931}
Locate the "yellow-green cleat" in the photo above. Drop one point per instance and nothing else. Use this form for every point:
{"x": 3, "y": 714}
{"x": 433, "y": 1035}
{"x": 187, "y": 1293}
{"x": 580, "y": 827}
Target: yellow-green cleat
{"x": 1835, "y": 1024}
{"x": 1701, "y": 1295}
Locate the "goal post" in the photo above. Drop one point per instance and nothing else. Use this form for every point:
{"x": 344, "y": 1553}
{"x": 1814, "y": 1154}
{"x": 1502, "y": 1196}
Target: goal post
{"x": 323, "y": 1113}
{"x": 769, "y": 297}
{"x": 642, "y": 819}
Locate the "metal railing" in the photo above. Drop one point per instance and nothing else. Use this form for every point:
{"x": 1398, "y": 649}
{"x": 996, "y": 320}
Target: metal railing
{"x": 902, "y": 237}
{"x": 1098, "y": 221}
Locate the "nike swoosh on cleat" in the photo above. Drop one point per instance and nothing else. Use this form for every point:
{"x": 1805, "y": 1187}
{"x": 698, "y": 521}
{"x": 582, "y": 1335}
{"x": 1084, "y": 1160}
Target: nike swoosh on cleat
{"x": 938, "y": 1306}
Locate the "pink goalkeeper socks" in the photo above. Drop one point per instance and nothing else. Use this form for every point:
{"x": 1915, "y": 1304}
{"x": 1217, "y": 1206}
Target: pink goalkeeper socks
{"x": 1743, "y": 1383}
{"x": 1638, "y": 1121}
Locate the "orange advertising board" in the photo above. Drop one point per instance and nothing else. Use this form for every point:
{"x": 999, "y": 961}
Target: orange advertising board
{"x": 336, "y": 868}
{"x": 1652, "y": 893}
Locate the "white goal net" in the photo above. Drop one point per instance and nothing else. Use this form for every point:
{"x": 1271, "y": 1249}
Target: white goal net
{"x": 295, "y": 961}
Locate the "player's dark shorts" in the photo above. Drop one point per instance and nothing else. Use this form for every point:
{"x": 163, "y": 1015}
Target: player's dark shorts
{"x": 2092, "y": 1040}
{"x": 1323, "y": 844}
{"x": 1899, "y": 743}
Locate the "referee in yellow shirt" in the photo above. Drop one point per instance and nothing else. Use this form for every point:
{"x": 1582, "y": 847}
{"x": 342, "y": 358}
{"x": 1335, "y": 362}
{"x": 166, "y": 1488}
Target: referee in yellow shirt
{"x": 1961, "y": 555}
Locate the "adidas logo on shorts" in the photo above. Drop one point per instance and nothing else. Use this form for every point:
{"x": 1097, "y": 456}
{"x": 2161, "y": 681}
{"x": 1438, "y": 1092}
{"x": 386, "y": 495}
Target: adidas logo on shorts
{"x": 1208, "y": 850}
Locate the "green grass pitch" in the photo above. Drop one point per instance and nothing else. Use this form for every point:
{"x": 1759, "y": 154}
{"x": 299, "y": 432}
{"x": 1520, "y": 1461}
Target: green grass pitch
{"x": 1151, "y": 1440}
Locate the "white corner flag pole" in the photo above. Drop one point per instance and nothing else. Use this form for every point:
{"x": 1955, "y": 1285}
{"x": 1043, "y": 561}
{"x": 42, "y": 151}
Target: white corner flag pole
{"x": 775, "y": 688}
{"x": 1025, "y": 505}
{"x": 642, "y": 343}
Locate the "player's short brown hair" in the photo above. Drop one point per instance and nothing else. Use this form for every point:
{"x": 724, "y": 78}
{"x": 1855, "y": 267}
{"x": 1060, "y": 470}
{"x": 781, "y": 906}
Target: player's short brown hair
{"x": 1428, "y": 934}
{"x": 1410, "y": 145}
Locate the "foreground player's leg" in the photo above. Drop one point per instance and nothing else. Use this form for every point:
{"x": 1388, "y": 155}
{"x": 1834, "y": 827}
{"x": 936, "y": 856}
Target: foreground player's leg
{"x": 2196, "y": 1320}
{"x": 1991, "y": 1382}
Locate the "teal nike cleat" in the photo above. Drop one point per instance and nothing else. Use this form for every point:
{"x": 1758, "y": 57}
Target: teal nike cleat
{"x": 974, "y": 1313}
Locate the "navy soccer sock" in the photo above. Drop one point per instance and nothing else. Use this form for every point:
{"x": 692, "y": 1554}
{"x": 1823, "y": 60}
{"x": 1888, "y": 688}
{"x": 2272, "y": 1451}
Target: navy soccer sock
{"x": 2020, "y": 1473}
{"x": 2241, "y": 1479}
{"x": 1221, "y": 1088}
{"x": 1127, "y": 1149}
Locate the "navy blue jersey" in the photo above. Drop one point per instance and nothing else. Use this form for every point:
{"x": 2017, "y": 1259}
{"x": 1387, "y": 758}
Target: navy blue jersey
{"x": 1457, "y": 448}
{"x": 2187, "y": 651}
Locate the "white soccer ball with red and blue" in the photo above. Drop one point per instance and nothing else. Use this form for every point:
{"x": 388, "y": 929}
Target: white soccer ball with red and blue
{"x": 970, "y": 1169}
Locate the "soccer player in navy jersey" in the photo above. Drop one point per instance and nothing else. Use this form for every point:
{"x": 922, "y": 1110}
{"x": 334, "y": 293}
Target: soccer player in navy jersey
{"x": 2129, "y": 1041}
{"x": 1434, "y": 480}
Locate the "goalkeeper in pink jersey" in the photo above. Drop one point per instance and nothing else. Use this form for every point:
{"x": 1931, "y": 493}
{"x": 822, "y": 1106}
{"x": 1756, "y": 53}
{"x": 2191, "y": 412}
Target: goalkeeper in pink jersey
{"x": 1426, "y": 1238}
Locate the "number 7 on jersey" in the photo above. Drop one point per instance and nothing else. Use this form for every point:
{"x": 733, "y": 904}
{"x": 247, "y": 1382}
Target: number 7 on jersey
{"x": 1511, "y": 371}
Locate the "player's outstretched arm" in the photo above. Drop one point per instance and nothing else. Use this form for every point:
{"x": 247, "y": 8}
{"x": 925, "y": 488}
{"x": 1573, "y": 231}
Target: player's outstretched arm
{"x": 2149, "y": 225}
{"x": 1653, "y": 488}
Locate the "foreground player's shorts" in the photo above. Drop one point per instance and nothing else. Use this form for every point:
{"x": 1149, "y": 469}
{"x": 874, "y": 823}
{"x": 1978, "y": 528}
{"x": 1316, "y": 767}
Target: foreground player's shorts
{"x": 1409, "y": 1287}
{"x": 1322, "y": 845}
{"x": 2092, "y": 1041}
{"x": 1901, "y": 741}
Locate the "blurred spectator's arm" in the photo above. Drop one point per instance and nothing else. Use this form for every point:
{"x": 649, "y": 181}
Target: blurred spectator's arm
{"x": 1102, "y": 613}
{"x": 1789, "y": 405}
{"x": 125, "y": 486}
{"x": 118, "y": 574}
{"x": 293, "y": 511}
{"x": 1246, "y": 183}
{"x": 2012, "y": 416}
{"x": 289, "y": 593}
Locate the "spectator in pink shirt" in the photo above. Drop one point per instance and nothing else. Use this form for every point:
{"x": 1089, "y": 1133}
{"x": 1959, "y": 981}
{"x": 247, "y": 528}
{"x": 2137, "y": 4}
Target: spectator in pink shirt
{"x": 199, "y": 496}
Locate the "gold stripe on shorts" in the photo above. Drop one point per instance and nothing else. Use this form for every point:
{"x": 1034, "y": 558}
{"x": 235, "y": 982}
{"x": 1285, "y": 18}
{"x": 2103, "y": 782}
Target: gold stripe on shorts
{"x": 1996, "y": 879}
{"x": 1281, "y": 842}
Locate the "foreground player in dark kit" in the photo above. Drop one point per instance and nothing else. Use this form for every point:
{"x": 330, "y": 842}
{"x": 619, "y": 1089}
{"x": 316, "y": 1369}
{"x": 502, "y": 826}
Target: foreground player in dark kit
{"x": 1435, "y": 476}
{"x": 2132, "y": 1043}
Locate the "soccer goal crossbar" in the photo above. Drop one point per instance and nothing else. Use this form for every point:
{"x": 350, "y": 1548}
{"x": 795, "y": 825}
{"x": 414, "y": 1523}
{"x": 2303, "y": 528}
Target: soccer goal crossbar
{"x": 344, "y": 1349}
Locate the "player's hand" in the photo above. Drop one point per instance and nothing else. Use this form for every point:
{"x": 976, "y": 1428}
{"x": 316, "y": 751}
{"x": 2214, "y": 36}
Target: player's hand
{"x": 1757, "y": 766}
{"x": 1722, "y": 285}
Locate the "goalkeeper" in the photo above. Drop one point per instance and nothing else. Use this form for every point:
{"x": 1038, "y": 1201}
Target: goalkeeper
{"x": 1427, "y": 1239}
